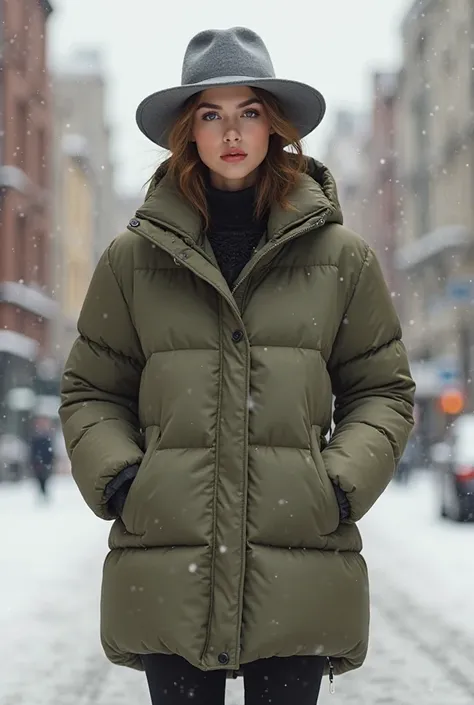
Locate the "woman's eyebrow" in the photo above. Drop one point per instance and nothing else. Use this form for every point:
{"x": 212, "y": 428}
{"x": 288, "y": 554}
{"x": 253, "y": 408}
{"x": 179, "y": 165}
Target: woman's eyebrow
{"x": 214, "y": 106}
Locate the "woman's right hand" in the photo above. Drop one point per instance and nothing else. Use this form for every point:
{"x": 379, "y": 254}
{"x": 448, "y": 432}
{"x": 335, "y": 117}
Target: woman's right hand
{"x": 343, "y": 502}
{"x": 117, "y": 490}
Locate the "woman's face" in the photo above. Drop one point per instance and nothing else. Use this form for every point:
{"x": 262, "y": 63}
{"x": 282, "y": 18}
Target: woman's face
{"x": 231, "y": 130}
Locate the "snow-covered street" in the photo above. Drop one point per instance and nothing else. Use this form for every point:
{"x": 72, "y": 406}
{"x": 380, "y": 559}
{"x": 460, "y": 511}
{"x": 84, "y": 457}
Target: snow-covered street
{"x": 422, "y": 581}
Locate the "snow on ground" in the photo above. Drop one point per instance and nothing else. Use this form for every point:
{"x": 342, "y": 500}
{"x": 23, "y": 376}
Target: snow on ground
{"x": 422, "y": 583}
{"x": 436, "y": 556}
{"x": 50, "y": 563}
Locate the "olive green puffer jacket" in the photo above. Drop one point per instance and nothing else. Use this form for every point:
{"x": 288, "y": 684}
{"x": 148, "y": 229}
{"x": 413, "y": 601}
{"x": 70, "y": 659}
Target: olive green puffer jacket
{"x": 230, "y": 547}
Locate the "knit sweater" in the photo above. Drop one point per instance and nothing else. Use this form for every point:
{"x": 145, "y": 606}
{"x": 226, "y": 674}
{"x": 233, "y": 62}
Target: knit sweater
{"x": 234, "y": 232}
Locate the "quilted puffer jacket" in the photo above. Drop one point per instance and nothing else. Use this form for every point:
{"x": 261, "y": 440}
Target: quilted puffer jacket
{"x": 230, "y": 546}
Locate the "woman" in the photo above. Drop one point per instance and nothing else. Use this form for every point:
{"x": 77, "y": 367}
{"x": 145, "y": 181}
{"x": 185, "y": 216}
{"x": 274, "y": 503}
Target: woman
{"x": 197, "y": 399}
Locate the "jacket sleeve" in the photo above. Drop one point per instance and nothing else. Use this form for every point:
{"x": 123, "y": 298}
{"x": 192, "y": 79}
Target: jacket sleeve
{"x": 99, "y": 391}
{"x": 373, "y": 389}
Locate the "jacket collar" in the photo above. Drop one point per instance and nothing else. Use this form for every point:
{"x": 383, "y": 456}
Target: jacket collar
{"x": 315, "y": 192}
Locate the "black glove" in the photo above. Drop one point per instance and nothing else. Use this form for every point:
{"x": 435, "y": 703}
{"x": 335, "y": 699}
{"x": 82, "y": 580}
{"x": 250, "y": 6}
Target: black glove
{"x": 343, "y": 502}
{"x": 117, "y": 489}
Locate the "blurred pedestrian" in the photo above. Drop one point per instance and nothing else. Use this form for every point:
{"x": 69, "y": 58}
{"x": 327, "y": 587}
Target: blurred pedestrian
{"x": 42, "y": 454}
{"x": 197, "y": 400}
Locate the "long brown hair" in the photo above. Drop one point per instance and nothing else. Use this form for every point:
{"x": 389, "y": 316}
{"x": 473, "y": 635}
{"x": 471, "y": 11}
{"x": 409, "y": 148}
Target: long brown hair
{"x": 278, "y": 173}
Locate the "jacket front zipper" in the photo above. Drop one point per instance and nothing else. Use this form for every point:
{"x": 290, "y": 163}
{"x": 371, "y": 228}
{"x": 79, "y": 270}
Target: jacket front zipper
{"x": 318, "y": 224}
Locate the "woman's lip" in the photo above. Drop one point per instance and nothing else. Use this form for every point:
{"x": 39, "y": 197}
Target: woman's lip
{"x": 233, "y": 157}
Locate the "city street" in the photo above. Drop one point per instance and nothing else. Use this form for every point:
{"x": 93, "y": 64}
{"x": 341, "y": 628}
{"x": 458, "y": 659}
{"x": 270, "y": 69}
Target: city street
{"x": 422, "y": 581}
{"x": 243, "y": 229}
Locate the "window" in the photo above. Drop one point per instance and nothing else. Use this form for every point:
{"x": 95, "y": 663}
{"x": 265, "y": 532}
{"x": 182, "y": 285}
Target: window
{"x": 21, "y": 135}
{"x": 448, "y": 62}
{"x": 42, "y": 159}
{"x": 423, "y": 204}
{"x": 421, "y": 47}
{"x": 20, "y": 248}
{"x": 41, "y": 274}
{"x": 73, "y": 288}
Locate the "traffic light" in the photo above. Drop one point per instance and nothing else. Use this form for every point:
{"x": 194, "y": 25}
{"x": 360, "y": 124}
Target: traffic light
{"x": 452, "y": 402}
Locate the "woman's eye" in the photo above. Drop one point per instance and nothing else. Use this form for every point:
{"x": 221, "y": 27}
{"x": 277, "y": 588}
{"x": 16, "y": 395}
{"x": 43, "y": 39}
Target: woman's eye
{"x": 209, "y": 116}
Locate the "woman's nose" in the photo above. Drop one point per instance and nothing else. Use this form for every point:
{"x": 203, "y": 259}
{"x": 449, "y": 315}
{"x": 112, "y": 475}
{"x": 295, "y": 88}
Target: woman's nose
{"x": 232, "y": 135}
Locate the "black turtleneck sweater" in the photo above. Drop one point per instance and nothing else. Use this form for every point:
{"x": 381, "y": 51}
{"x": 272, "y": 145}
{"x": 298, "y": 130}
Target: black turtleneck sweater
{"x": 233, "y": 232}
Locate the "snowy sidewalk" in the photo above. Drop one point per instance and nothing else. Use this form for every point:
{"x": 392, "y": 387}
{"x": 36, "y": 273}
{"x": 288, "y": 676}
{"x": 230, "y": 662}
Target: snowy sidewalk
{"x": 50, "y": 564}
{"x": 422, "y": 582}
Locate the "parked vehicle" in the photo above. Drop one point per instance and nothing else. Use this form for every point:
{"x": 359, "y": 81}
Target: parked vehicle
{"x": 454, "y": 461}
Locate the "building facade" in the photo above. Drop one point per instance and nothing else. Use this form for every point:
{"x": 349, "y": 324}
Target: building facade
{"x": 80, "y": 95}
{"x": 346, "y": 157}
{"x": 381, "y": 178}
{"x": 74, "y": 225}
{"x": 26, "y": 305}
{"x": 435, "y": 174}
{"x": 361, "y": 154}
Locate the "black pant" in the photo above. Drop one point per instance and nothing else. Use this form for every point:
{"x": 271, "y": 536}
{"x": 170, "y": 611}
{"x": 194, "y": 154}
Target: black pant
{"x": 43, "y": 485}
{"x": 43, "y": 489}
{"x": 294, "y": 680}
{"x": 42, "y": 473}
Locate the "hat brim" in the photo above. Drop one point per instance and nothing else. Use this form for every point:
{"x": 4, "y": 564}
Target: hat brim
{"x": 304, "y": 106}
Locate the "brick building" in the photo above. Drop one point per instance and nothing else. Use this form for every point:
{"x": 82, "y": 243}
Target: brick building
{"x": 26, "y": 306}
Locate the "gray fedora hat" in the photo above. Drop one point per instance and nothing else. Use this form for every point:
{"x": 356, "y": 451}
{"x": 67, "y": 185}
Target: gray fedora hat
{"x": 228, "y": 57}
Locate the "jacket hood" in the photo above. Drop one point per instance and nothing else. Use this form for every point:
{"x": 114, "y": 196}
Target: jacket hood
{"x": 315, "y": 193}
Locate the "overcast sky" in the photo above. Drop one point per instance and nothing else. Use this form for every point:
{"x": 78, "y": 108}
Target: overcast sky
{"x": 332, "y": 45}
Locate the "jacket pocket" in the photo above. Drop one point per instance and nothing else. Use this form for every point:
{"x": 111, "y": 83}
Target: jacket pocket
{"x": 330, "y": 518}
{"x": 131, "y": 509}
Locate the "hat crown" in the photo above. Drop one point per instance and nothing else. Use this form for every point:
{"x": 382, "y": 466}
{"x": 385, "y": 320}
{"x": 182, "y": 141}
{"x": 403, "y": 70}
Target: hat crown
{"x": 237, "y": 51}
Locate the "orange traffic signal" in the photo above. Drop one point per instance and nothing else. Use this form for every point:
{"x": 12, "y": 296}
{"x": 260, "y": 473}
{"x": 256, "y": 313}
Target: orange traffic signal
{"x": 452, "y": 402}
